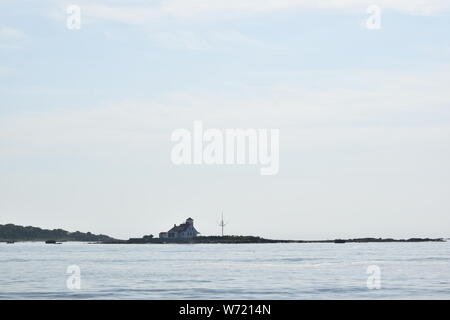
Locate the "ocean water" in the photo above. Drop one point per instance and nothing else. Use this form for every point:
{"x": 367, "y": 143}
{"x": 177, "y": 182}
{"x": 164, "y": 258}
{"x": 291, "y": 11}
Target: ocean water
{"x": 225, "y": 271}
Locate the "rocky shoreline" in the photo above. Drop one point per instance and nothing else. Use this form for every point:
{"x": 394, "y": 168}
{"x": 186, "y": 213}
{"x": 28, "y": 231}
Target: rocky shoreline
{"x": 253, "y": 239}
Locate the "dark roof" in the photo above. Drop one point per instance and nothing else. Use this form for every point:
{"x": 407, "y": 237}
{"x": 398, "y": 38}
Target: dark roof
{"x": 181, "y": 228}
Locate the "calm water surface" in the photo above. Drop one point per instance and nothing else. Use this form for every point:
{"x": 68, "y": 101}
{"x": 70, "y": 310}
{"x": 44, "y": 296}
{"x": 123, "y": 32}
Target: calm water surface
{"x": 225, "y": 271}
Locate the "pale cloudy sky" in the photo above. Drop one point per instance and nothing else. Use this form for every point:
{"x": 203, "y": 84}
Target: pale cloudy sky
{"x": 86, "y": 116}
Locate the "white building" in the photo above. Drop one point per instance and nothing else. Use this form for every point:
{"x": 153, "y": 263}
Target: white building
{"x": 183, "y": 231}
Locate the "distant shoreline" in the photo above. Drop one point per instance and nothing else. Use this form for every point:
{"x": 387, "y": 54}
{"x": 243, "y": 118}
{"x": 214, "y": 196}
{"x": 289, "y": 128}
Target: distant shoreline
{"x": 253, "y": 239}
{"x": 11, "y": 233}
{"x": 261, "y": 241}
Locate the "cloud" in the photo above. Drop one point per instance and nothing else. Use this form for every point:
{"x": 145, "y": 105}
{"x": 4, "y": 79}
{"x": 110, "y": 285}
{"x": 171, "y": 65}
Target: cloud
{"x": 163, "y": 20}
{"x": 139, "y": 12}
{"x": 9, "y": 37}
{"x": 5, "y": 71}
{"x": 129, "y": 15}
{"x": 192, "y": 7}
{"x": 10, "y": 33}
{"x": 382, "y": 99}
{"x": 205, "y": 40}
{"x": 181, "y": 40}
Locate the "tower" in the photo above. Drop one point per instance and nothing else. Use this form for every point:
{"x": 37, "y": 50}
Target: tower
{"x": 222, "y": 224}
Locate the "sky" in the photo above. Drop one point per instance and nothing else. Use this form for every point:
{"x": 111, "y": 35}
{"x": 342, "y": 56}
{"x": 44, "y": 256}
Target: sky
{"x": 86, "y": 116}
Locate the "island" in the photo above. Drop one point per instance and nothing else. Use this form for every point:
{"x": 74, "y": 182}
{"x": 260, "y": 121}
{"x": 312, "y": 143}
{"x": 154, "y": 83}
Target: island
{"x": 11, "y": 233}
{"x": 253, "y": 239}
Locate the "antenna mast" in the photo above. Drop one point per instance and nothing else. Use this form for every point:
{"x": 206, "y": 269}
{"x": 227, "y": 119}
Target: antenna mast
{"x": 222, "y": 223}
